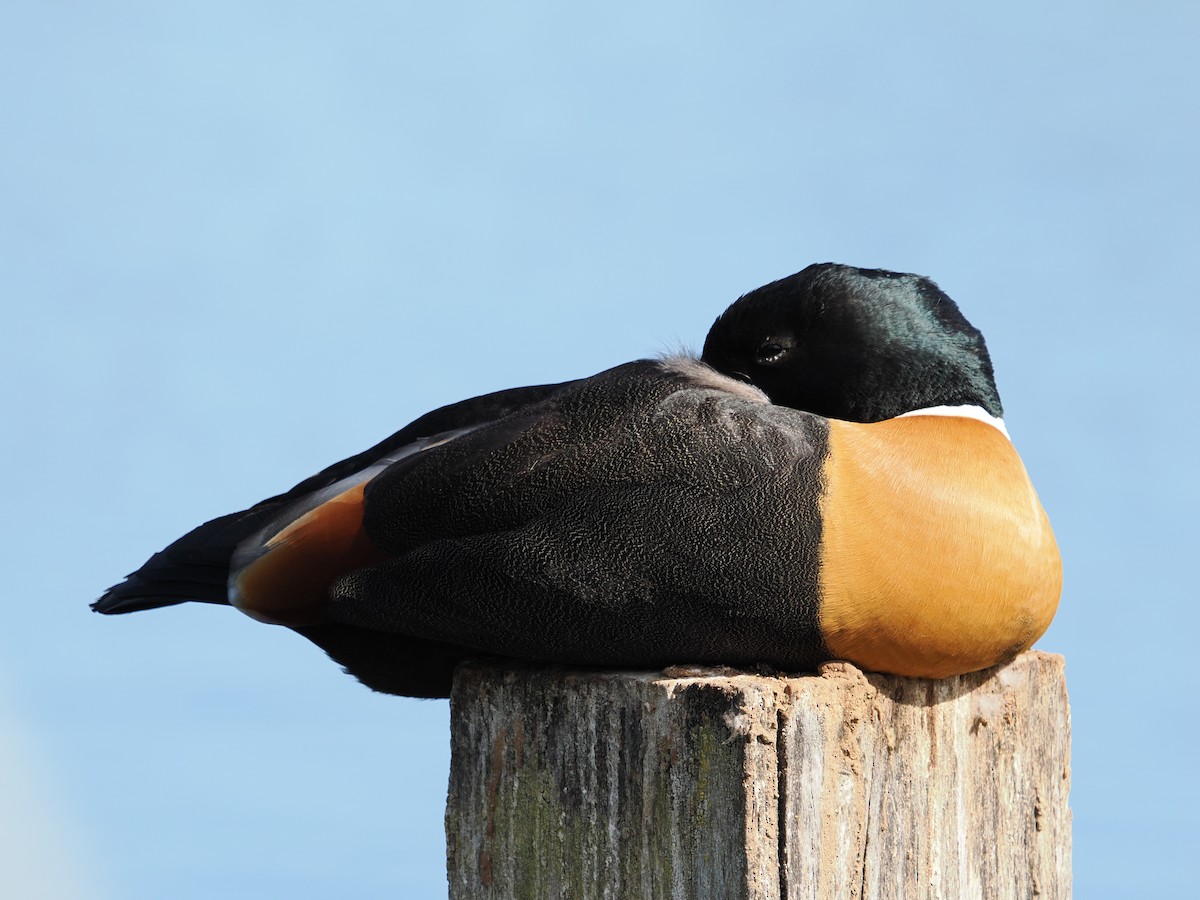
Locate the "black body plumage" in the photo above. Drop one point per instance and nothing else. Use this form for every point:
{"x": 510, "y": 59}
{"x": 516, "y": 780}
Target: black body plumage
{"x": 650, "y": 514}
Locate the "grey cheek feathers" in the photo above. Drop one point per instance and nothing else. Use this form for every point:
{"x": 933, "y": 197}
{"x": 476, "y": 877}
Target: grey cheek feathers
{"x": 703, "y": 375}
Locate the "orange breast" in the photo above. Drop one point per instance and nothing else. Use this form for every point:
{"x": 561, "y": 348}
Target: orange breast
{"x": 937, "y": 557}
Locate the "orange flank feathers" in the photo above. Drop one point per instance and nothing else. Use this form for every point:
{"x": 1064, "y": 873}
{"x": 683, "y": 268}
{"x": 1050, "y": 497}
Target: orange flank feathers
{"x": 288, "y": 579}
{"x": 937, "y": 558}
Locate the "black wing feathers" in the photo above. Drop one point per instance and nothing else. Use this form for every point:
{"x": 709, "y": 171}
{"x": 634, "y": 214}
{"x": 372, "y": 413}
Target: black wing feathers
{"x": 196, "y": 566}
{"x": 607, "y": 520}
{"x": 601, "y": 525}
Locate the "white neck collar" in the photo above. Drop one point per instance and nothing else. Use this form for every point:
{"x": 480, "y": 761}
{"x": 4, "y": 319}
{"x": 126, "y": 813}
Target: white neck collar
{"x": 968, "y": 411}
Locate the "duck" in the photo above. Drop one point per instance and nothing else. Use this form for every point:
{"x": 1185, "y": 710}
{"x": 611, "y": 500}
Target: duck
{"x": 830, "y": 479}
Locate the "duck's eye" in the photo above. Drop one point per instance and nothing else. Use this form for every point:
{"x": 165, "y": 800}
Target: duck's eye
{"x": 770, "y": 352}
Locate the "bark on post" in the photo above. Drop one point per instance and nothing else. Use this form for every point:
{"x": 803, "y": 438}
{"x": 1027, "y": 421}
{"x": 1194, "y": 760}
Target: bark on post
{"x": 720, "y": 784}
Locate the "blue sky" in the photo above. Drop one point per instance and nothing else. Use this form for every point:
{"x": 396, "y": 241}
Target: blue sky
{"x": 242, "y": 240}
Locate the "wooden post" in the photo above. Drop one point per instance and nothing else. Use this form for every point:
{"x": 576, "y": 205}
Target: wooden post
{"x": 709, "y": 783}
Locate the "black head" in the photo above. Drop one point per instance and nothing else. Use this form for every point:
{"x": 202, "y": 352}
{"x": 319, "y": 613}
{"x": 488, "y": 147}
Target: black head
{"x": 857, "y": 344}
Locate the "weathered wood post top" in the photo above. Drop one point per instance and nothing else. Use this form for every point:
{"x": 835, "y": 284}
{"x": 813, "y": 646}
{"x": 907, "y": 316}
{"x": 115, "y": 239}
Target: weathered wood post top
{"x": 710, "y": 783}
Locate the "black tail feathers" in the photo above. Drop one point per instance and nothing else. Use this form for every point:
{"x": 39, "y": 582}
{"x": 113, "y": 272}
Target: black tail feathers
{"x": 195, "y": 567}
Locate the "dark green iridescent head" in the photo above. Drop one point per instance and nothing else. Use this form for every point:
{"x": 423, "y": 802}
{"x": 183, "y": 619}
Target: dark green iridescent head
{"x": 856, "y": 344}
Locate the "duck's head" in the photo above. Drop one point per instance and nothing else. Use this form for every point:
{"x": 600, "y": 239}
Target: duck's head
{"x": 856, "y": 344}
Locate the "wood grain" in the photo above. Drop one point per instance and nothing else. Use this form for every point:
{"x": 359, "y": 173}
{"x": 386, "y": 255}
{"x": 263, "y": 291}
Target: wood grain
{"x": 717, "y": 784}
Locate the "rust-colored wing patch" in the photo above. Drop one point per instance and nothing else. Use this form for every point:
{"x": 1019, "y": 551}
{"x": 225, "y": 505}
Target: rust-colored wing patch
{"x": 287, "y": 580}
{"x": 937, "y": 558}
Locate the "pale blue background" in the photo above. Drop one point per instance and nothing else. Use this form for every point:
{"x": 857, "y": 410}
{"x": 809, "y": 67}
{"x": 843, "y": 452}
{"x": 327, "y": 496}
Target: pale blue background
{"x": 241, "y": 240}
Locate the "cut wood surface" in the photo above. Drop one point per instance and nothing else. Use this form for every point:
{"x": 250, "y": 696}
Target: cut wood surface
{"x": 710, "y": 783}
